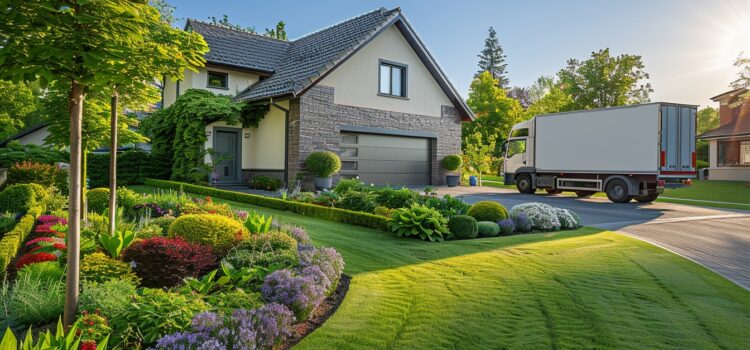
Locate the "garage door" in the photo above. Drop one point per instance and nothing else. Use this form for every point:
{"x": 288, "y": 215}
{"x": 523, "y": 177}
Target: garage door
{"x": 385, "y": 159}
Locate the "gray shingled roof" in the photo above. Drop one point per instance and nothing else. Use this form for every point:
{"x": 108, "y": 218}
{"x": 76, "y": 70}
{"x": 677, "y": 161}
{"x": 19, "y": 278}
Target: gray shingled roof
{"x": 240, "y": 49}
{"x": 296, "y": 65}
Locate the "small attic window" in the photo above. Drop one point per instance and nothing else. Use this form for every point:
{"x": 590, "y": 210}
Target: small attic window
{"x": 218, "y": 80}
{"x": 392, "y": 79}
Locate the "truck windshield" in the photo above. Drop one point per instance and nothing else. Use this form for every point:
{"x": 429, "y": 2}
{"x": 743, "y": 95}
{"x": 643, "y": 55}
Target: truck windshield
{"x": 515, "y": 147}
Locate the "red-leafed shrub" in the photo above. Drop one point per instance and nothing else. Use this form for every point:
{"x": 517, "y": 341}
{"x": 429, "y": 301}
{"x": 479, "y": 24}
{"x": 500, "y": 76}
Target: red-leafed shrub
{"x": 165, "y": 262}
{"x": 33, "y": 258}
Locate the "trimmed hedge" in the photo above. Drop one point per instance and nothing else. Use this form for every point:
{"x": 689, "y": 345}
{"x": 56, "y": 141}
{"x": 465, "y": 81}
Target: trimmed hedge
{"x": 12, "y": 241}
{"x": 133, "y": 166}
{"x": 331, "y": 214}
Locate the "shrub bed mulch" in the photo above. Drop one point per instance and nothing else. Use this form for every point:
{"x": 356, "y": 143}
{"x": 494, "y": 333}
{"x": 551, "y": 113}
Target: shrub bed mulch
{"x": 320, "y": 315}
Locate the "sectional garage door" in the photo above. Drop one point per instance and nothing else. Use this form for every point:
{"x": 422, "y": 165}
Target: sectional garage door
{"x": 385, "y": 159}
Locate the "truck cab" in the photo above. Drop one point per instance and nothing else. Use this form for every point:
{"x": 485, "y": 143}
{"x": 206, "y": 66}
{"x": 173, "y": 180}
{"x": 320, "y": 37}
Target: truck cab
{"x": 518, "y": 152}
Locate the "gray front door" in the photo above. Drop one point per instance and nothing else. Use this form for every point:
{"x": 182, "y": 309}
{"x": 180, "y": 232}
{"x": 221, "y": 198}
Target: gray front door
{"x": 226, "y": 145}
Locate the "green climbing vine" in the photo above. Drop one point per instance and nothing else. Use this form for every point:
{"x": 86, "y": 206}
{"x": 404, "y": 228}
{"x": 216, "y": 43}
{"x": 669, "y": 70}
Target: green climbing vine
{"x": 178, "y": 134}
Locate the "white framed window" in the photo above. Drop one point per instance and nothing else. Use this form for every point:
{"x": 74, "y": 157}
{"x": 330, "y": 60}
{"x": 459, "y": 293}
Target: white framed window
{"x": 745, "y": 153}
{"x": 392, "y": 79}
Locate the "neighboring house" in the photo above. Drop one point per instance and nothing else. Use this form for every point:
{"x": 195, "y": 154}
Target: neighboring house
{"x": 366, "y": 89}
{"x": 729, "y": 144}
{"x": 34, "y": 135}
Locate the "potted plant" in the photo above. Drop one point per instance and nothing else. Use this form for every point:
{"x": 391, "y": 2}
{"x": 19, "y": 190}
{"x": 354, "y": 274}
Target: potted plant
{"x": 451, "y": 163}
{"x": 322, "y": 165}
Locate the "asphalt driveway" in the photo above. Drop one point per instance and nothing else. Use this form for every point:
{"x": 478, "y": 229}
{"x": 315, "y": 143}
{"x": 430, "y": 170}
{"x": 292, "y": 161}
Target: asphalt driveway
{"x": 716, "y": 238}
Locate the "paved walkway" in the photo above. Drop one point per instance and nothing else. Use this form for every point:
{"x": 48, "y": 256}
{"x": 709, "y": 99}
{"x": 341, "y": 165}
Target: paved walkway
{"x": 716, "y": 238}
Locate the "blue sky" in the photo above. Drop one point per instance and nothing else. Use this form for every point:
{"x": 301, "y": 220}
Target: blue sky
{"x": 688, "y": 46}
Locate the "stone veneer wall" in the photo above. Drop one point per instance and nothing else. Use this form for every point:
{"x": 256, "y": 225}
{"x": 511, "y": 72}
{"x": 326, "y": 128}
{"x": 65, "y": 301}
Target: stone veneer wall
{"x": 315, "y": 123}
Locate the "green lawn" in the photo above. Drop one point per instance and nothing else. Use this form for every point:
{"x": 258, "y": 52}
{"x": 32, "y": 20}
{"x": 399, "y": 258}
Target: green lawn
{"x": 577, "y": 289}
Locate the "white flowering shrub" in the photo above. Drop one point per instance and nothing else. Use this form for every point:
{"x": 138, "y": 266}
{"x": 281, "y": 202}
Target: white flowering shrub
{"x": 569, "y": 220}
{"x": 543, "y": 217}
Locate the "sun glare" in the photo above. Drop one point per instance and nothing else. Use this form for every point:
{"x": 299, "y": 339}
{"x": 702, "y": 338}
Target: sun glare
{"x": 731, "y": 32}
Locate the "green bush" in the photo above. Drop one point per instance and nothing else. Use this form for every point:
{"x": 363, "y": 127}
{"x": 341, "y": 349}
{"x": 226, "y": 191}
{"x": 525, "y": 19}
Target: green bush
{"x": 164, "y": 222}
{"x": 271, "y": 241}
{"x": 346, "y": 185}
{"x": 35, "y": 300}
{"x": 421, "y": 222}
{"x": 267, "y": 183}
{"x": 127, "y": 199}
{"x": 395, "y": 199}
{"x": 21, "y": 197}
{"x": 264, "y": 250}
{"x": 11, "y": 242}
{"x": 151, "y": 315}
{"x": 452, "y": 162}
{"x": 463, "y": 226}
{"x": 323, "y": 163}
{"x": 7, "y": 222}
{"x": 98, "y": 267}
{"x": 383, "y": 211}
{"x": 15, "y": 152}
{"x": 133, "y": 167}
{"x": 220, "y": 232}
{"x": 150, "y": 230}
{"x": 331, "y": 214}
{"x": 448, "y": 206}
{"x": 488, "y": 211}
{"x": 108, "y": 297}
{"x": 46, "y": 270}
{"x": 98, "y": 200}
{"x": 46, "y": 175}
{"x": 357, "y": 201}
{"x": 488, "y": 229}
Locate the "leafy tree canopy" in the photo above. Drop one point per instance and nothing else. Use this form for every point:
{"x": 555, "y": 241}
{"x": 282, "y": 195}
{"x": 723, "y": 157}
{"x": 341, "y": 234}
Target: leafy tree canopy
{"x": 743, "y": 79}
{"x": 492, "y": 59}
{"x": 555, "y": 100}
{"x": 541, "y": 87}
{"x": 522, "y": 95}
{"x": 605, "y": 81}
{"x": 16, "y": 102}
{"x": 708, "y": 118}
{"x": 495, "y": 112}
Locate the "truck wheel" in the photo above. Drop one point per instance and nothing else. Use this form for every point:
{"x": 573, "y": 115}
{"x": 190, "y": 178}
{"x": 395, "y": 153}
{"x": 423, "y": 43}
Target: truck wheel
{"x": 584, "y": 194}
{"x": 551, "y": 191}
{"x": 523, "y": 184}
{"x": 617, "y": 191}
{"x": 647, "y": 198}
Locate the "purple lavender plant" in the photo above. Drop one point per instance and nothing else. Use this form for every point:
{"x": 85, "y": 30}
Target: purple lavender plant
{"x": 272, "y": 323}
{"x": 507, "y": 227}
{"x": 522, "y": 222}
{"x": 300, "y": 235}
{"x": 327, "y": 259}
{"x": 300, "y": 293}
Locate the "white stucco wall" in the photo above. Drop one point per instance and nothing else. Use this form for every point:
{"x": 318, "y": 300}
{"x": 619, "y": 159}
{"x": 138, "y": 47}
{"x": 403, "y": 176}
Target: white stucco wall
{"x": 35, "y": 138}
{"x": 237, "y": 81}
{"x": 355, "y": 82}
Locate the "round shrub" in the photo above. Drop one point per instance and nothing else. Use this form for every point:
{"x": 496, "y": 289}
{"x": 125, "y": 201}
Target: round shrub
{"x": 98, "y": 200}
{"x": 488, "y": 229}
{"x": 463, "y": 226}
{"x": 264, "y": 250}
{"x": 395, "y": 199}
{"x": 569, "y": 220}
{"x": 220, "y": 232}
{"x": 346, "y": 185}
{"x": 152, "y": 314}
{"x": 150, "y": 230}
{"x": 164, "y": 222}
{"x": 165, "y": 262}
{"x": 542, "y": 217}
{"x": 109, "y": 297}
{"x": 98, "y": 267}
{"x": 323, "y": 163}
{"x": 488, "y": 211}
{"x": 21, "y": 197}
{"x": 452, "y": 162}
{"x": 357, "y": 201}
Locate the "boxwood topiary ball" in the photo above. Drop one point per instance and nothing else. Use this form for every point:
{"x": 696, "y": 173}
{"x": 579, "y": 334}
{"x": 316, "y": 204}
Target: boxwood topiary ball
{"x": 488, "y": 211}
{"x": 463, "y": 226}
{"x": 220, "y": 232}
{"x": 452, "y": 162}
{"x": 488, "y": 229}
{"x": 323, "y": 163}
{"x": 98, "y": 199}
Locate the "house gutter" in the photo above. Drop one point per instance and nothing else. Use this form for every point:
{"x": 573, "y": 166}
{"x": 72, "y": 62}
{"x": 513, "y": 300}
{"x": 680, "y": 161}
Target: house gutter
{"x": 286, "y": 139}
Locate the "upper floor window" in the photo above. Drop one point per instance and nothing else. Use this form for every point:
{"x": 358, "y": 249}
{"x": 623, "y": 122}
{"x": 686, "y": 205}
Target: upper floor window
{"x": 392, "y": 79}
{"x": 218, "y": 80}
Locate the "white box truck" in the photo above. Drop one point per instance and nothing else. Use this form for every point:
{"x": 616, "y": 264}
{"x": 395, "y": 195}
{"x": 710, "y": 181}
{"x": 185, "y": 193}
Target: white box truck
{"x": 626, "y": 152}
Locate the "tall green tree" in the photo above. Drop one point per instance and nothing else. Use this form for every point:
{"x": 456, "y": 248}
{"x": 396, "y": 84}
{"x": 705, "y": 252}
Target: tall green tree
{"x": 479, "y": 154}
{"x": 81, "y": 45}
{"x": 743, "y": 78}
{"x": 555, "y": 100}
{"x": 605, "y": 81}
{"x": 708, "y": 118}
{"x": 495, "y": 113}
{"x": 540, "y": 88}
{"x": 492, "y": 60}
{"x": 16, "y": 102}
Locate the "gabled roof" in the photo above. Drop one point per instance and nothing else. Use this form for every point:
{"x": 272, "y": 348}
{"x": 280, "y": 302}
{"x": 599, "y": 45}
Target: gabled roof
{"x": 307, "y": 60}
{"x": 739, "y": 126}
{"x": 730, "y": 92}
{"x": 23, "y": 133}
{"x": 240, "y": 49}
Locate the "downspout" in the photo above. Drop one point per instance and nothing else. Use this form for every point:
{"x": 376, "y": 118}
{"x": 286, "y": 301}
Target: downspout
{"x": 286, "y": 140}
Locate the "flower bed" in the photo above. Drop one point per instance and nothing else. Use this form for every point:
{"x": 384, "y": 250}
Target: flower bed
{"x": 206, "y": 281}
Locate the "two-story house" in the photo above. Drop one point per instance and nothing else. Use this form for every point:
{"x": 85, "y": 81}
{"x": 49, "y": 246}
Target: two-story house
{"x": 367, "y": 89}
{"x": 729, "y": 144}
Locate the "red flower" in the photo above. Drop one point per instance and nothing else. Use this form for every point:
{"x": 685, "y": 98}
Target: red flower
{"x": 37, "y": 240}
{"x": 59, "y": 246}
{"x": 89, "y": 345}
{"x": 33, "y": 258}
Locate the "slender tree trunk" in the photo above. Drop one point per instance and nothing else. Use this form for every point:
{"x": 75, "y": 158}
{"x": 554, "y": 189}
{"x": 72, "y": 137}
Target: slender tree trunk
{"x": 113, "y": 164}
{"x": 84, "y": 185}
{"x": 74, "y": 207}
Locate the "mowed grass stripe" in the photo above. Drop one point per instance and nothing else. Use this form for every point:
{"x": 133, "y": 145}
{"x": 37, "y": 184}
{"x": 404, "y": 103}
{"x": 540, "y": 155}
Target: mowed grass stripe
{"x": 564, "y": 290}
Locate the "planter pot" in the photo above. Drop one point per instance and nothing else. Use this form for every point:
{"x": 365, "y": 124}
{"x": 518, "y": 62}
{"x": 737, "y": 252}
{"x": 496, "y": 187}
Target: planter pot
{"x": 452, "y": 180}
{"x": 323, "y": 182}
